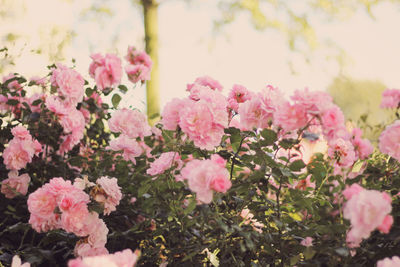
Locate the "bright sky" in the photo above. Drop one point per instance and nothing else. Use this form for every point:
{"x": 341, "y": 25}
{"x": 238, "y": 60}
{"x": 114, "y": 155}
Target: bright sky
{"x": 187, "y": 49}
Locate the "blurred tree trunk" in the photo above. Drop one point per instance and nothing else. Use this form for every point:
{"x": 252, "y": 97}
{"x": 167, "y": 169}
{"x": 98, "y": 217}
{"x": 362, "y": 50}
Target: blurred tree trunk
{"x": 151, "y": 38}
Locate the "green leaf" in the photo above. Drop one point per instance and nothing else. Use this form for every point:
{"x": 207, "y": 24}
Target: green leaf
{"x": 89, "y": 92}
{"x": 115, "y": 100}
{"x": 36, "y": 102}
{"x": 190, "y": 207}
{"x": 297, "y": 165}
{"x": 269, "y": 137}
{"x": 123, "y": 88}
{"x": 12, "y": 102}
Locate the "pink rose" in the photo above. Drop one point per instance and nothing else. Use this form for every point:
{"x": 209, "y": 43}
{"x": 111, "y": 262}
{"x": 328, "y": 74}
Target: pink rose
{"x": 15, "y": 184}
{"x": 366, "y": 211}
{"x": 16, "y": 262}
{"x": 164, "y": 162}
{"x": 170, "y": 114}
{"x": 69, "y": 83}
{"x": 129, "y": 122}
{"x": 138, "y": 73}
{"x": 204, "y": 177}
{"x": 389, "y": 141}
{"x": 130, "y": 147}
{"x": 206, "y": 81}
{"x": 290, "y": 117}
{"x": 307, "y": 242}
{"x": 73, "y": 220}
{"x": 107, "y": 71}
{"x": 315, "y": 102}
{"x": 86, "y": 250}
{"x": 390, "y": 98}
{"x": 42, "y": 202}
{"x": 238, "y": 94}
{"x": 18, "y": 153}
{"x": 389, "y": 262}
{"x": 21, "y": 133}
{"x": 136, "y": 57}
{"x": 112, "y": 193}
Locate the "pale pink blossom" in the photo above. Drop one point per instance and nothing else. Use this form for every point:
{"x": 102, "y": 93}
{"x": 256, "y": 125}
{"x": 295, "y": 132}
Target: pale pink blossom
{"x": 252, "y": 114}
{"x": 332, "y": 118}
{"x": 97, "y": 230}
{"x": 16, "y": 262}
{"x": 206, "y": 176}
{"x": 290, "y": 116}
{"x": 307, "y": 242}
{"x": 84, "y": 183}
{"x": 248, "y": 219}
{"x": 170, "y": 114}
{"x": 164, "y": 162}
{"x": 40, "y": 224}
{"x": 107, "y": 71}
{"x": 130, "y": 147}
{"x": 42, "y": 202}
{"x": 315, "y": 102}
{"x": 218, "y": 104}
{"x": 138, "y": 73}
{"x": 390, "y": 98}
{"x": 238, "y": 94}
{"x": 73, "y": 219}
{"x": 271, "y": 99}
{"x": 386, "y": 224}
{"x": 125, "y": 258}
{"x": 86, "y": 250}
{"x": 136, "y": 57}
{"x": 206, "y": 81}
{"x": 112, "y": 192}
{"x": 73, "y": 122}
{"x": 15, "y": 184}
{"x": 354, "y": 189}
{"x": 362, "y": 147}
{"x": 18, "y": 153}
{"x": 129, "y": 122}
{"x": 21, "y": 133}
{"x": 342, "y": 152}
{"x": 366, "y": 211}
{"x": 56, "y": 105}
{"x": 69, "y": 84}
{"x": 389, "y": 140}
{"x": 389, "y": 262}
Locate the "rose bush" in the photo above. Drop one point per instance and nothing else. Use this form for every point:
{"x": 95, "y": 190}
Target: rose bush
{"x": 221, "y": 180}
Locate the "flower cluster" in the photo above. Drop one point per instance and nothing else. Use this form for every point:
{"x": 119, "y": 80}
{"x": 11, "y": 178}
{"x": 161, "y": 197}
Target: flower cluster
{"x": 366, "y": 210}
{"x": 105, "y": 70}
{"x": 206, "y": 176}
{"x": 165, "y": 162}
{"x": 139, "y": 67}
{"x": 15, "y": 184}
{"x": 21, "y": 149}
{"x": 202, "y": 117}
{"x": 59, "y": 204}
{"x": 132, "y": 124}
{"x": 390, "y": 98}
{"x": 125, "y": 258}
